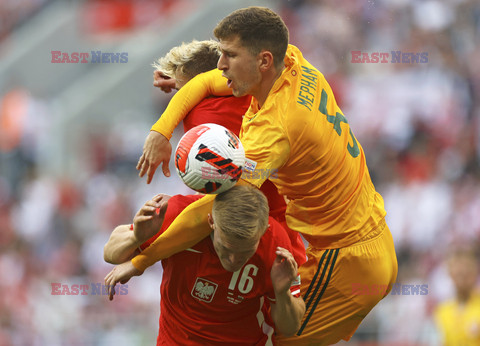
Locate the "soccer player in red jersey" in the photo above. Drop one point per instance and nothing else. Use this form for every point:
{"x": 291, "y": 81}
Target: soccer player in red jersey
{"x": 213, "y": 292}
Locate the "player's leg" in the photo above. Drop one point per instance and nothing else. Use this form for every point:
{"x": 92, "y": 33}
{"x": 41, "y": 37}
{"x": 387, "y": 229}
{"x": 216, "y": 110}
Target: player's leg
{"x": 341, "y": 286}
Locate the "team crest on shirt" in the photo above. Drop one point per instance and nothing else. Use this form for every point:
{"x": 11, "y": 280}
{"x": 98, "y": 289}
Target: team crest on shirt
{"x": 204, "y": 290}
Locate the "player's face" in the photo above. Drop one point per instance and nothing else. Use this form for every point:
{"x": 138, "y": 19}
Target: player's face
{"x": 233, "y": 252}
{"x": 464, "y": 271}
{"x": 240, "y": 67}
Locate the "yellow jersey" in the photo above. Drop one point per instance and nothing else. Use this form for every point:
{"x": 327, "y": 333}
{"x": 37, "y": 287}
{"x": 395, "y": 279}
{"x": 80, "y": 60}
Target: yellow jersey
{"x": 302, "y": 142}
{"x": 460, "y": 324}
{"x": 302, "y": 138}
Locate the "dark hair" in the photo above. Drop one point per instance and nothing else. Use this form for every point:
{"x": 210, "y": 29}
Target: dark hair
{"x": 258, "y": 28}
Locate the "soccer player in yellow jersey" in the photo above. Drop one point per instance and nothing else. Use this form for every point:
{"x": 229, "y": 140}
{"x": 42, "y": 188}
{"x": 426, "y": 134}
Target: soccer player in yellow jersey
{"x": 458, "y": 320}
{"x": 295, "y": 129}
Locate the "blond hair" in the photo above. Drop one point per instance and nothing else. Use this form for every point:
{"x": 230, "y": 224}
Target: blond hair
{"x": 241, "y": 212}
{"x": 189, "y": 58}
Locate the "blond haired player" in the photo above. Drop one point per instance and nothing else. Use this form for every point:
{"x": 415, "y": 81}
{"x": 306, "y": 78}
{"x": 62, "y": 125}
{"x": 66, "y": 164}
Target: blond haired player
{"x": 213, "y": 293}
{"x": 294, "y": 126}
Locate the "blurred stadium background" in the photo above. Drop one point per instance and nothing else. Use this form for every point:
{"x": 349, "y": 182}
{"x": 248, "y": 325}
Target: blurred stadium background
{"x": 71, "y": 134}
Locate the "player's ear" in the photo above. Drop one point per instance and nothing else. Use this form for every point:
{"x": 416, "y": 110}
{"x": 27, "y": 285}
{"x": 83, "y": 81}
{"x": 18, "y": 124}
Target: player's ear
{"x": 210, "y": 220}
{"x": 266, "y": 229}
{"x": 265, "y": 59}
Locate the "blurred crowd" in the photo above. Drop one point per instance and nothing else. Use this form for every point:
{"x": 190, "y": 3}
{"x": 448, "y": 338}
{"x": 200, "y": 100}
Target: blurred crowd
{"x": 419, "y": 124}
{"x": 14, "y": 12}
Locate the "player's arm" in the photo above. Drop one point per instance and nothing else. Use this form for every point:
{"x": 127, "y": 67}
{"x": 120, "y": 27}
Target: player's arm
{"x": 187, "y": 97}
{"x": 125, "y": 240}
{"x": 188, "y": 228}
{"x": 157, "y": 148}
{"x": 289, "y": 308}
{"x": 121, "y": 246}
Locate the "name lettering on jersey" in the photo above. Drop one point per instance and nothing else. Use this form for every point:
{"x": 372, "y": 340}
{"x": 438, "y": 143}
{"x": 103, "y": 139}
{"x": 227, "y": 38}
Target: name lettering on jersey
{"x": 204, "y": 290}
{"x": 308, "y": 87}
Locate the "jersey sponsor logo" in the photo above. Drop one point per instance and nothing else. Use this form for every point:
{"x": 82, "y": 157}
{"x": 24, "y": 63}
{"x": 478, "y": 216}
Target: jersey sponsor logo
{"x": 204, "y": 290}
{"x": 250, "y": 165}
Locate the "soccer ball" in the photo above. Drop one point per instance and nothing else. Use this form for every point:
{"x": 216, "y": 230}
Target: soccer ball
{"x": 209, "y": 158}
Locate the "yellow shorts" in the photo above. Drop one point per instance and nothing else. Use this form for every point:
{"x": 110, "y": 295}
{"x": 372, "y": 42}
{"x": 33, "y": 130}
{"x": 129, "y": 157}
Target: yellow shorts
{"x": 341, "y": 286}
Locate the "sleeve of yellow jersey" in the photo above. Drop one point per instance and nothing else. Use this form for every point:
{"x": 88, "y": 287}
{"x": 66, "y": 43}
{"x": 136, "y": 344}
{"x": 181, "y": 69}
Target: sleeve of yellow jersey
{"x": 188, "y": 228}
{"x": 199, "y": 87}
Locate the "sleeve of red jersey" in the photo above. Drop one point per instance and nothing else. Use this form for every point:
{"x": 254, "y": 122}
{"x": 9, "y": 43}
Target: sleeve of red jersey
{"x": 175, "y": 206}
{"x": 296, "y": 249}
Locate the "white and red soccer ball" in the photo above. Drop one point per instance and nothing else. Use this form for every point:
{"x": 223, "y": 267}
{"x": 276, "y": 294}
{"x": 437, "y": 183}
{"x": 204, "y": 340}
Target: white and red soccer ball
{"x": 209, "y": 158}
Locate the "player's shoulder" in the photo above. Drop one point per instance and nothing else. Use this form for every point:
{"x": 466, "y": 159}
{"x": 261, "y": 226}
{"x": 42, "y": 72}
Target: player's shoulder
{"x": 177, "y": 203}
{"x": 275, "y": 235}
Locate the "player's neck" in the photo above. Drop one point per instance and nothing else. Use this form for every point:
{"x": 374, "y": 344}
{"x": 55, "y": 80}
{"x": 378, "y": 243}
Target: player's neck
{"x": 266, "y": 85}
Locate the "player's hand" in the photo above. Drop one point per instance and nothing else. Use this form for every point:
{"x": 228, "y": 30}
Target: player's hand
{"x": 284, "y": 270}
{"x": 165, "y": 83}
{"x": 156, "y": 150}
{"x": 121, "y": 273}
{"x": 149, "y": 219}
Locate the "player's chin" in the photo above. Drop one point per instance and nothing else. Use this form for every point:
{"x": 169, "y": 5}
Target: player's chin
{"x": 238, "y": 92}
{"x": 231, "y": 268}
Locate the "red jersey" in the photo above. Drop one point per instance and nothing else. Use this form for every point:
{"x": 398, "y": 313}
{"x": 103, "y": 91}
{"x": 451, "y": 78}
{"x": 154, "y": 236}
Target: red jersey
{"x": 202, "y": 303}
{"x": 227, "y": 111}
